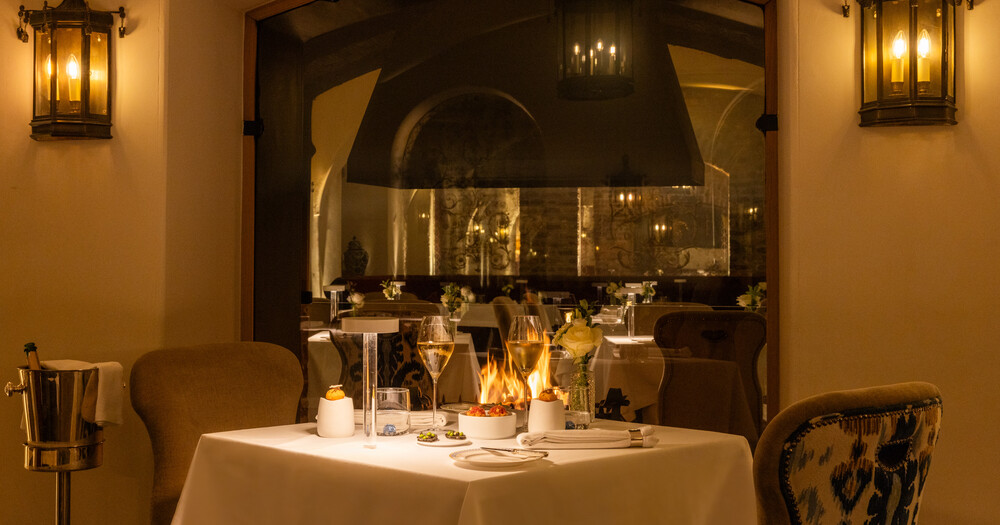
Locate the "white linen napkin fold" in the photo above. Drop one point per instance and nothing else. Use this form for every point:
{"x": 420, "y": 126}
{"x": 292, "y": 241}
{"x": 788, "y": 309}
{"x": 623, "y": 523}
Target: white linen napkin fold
{"x": 418, "y": 418}
{"x": 590, "y": 438}
{"x": 103, "y": 396}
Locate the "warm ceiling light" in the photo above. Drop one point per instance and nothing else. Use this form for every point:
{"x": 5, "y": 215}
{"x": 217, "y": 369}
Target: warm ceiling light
{"x": 908, "y": 62}
{"x": 604, "y": 29}
{"x": 72, "y": 69}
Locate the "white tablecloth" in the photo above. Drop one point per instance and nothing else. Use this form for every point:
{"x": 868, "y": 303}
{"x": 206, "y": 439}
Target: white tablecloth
{"x": 289, "y": 475}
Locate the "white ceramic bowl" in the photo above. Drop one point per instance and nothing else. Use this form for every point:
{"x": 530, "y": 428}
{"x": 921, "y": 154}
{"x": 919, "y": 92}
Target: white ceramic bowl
{"x": 488, "y": 427}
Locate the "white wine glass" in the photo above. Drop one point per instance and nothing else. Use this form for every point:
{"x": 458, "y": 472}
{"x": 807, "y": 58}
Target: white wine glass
{"x": 435, "y": 343}
{"x": 524, "y": 346}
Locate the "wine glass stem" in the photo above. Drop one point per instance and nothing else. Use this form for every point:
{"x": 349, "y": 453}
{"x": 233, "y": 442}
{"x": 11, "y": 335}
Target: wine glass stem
{"x": 527, "y": 397}
{"x": 434, "y": 405}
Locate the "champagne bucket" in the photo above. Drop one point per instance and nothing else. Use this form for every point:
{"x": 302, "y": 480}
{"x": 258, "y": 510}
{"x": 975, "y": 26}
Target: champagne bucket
{"x": 58, "y": 438}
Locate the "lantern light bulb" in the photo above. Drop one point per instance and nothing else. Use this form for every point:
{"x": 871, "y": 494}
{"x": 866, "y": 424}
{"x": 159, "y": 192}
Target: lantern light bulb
{"x": 612, "y": 49}
{"x": 923, "y": 44}
{"x": 48, "y": 65}
{"x": 899, "y": 45}
{"x": 73, "y": 68}
{"x": 600, "y": 45}
{"x": 576, "y": 49}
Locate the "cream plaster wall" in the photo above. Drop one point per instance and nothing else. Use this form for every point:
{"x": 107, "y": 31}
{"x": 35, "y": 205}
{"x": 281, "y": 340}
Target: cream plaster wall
{"x": 112, "y": 248}
{"x": 889, "y": 244}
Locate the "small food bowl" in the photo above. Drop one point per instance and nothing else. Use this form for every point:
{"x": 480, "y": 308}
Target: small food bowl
{"x": 335, "y": 418}
{"x": 546, "y": 415}
{"x": 486, "y": 427}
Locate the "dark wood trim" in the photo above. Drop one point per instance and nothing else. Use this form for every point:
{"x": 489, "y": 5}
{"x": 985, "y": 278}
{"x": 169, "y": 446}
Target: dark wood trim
{"x": 249, "y": 156}
{"x": 248, "y": 183}
{"x": 771, "y": 203}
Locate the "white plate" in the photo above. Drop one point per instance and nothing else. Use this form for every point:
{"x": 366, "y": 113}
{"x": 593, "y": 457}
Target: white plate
{"x": 484, "y": 458}
{"x": 444, "y": 442}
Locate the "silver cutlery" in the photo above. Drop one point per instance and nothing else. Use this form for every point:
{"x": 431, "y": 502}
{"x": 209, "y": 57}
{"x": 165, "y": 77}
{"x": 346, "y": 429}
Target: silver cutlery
{"x": 518, "y": 451}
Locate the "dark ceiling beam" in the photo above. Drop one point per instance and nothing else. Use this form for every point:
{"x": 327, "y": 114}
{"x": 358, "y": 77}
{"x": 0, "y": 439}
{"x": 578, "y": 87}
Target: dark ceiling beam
{"x": 713, "y": 34}
{"x": 419, "y": 32}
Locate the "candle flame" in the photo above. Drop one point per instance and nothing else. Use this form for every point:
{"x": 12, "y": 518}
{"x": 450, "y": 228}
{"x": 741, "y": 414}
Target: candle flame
{"x": 899, "y": 45}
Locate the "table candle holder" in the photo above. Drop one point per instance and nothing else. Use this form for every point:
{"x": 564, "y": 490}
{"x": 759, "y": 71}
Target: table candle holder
{"x": 370, "y": 327}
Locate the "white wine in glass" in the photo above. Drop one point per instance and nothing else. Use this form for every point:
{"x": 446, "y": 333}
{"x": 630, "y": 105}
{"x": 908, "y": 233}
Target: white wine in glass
{"x": 435, "y": 343}
{"x": 525, "y": 354}
{"x": 524, "y": 346}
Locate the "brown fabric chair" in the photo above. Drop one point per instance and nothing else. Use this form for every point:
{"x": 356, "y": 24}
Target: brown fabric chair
{"x": 646, "y": 315}
{"x": 182, "y": 393}
{"x": 728, "y": 335}
{"x": 850, "y": 456}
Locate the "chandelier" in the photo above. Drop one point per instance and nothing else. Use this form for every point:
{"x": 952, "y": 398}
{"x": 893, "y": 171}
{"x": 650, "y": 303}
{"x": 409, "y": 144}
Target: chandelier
{"x": 596, "y": 49}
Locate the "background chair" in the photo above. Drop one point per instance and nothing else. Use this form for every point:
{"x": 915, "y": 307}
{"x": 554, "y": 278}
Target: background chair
{"x": 736, "y": 336}
{"x": 182, "y": 393}
{"x": 646, "y": 315}
{"x": 851, "y": 456}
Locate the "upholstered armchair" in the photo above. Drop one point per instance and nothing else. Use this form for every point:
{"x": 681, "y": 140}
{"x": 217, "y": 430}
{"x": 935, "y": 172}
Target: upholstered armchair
{"x": 853, "y": 456}
{"x": 182, "y": 393}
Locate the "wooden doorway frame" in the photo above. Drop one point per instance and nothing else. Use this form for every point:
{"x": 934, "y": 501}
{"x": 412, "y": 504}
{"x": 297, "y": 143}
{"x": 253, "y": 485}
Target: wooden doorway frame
{"x": 769, "y": 8}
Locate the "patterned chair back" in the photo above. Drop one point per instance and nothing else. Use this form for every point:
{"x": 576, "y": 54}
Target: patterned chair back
{"x": 854, "y": 456}
{"x": 730, "y": 335}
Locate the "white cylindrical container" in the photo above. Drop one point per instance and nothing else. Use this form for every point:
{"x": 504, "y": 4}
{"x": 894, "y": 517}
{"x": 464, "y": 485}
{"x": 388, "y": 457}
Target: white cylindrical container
{"x": 335, "y": 419}
{"x": 546, "y": 415}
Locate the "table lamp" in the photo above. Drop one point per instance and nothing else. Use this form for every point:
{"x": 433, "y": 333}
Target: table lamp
{"x": 370, "y": 327}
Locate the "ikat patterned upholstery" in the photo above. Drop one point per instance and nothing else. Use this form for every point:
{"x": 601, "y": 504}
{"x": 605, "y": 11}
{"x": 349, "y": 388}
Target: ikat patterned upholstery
{"x": 858, "y": 456}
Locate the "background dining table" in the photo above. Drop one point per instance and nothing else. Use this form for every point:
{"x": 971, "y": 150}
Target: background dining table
{"x": 637, "y": 381}
{"x": 290, "y": 475}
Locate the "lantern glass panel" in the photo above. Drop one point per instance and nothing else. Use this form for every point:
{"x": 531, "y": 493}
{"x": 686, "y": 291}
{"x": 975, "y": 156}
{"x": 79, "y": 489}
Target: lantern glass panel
{"x": 98, "y": 73}
{"x": 929, "y": 44}
{"x": 43, "y": 74}
{"x": 69, "y": 70}
{"x": 895, "y": 48}
{"x": 869, "y": 54}
{"x": 949, "y": 66}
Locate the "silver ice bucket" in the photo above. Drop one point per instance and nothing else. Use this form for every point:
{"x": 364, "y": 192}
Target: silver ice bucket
{"x": 59, "y": 439}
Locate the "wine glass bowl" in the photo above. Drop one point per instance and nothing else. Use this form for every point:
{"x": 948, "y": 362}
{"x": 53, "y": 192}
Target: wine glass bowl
{"x": 435, "y": 344}
{"x": 525, "y": 343}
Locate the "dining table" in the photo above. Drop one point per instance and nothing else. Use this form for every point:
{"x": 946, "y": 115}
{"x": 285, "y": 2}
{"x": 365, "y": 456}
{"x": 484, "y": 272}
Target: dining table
{"x": 291, "y": 475}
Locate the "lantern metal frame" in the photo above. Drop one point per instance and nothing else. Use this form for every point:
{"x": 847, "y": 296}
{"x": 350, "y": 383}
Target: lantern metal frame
{"x": 595, "y": 42}
{"x": 908, "y": 62}
{"x": 71, "y": 112}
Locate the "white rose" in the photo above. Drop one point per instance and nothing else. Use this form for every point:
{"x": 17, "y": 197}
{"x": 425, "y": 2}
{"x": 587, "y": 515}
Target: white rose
{"x": 356, "y": 299}
{"x": 467, "y": 295}
{"x": 579, "y": 339}
{"x": 744, "y": 300}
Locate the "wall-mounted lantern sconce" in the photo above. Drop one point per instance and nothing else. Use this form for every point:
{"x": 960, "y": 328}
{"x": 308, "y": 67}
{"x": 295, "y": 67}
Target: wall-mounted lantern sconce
{"x": 908, "y": 62}
{"x": 72, "y": 69}
{"x": 596, "y": 49}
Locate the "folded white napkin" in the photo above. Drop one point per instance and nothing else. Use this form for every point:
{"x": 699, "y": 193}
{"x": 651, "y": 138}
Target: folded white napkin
{"x": 590, "y": 438}
{"x": 418, "y": 418}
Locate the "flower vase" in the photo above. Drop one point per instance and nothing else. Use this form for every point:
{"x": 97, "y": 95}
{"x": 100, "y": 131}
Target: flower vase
{"x": 581, "y": 399}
